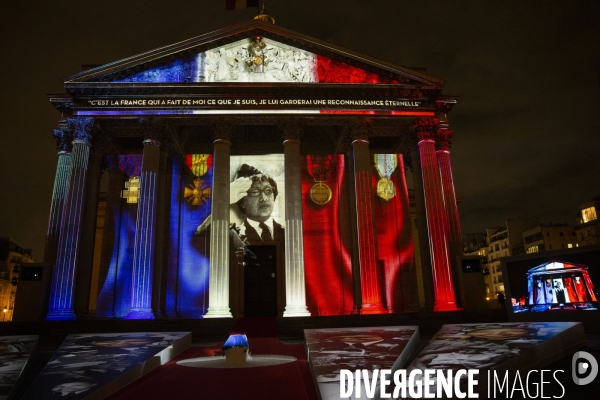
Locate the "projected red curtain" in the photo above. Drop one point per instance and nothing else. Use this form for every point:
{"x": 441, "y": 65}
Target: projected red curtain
{"x": 327, "y": 259}
{"x": 394, "y": 242}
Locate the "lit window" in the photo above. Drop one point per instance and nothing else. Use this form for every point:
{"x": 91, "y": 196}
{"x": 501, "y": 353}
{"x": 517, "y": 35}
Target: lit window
{"x": 533, "y": 249}
{"x": 569, "y": 245}
{"x": 589, "y": 214}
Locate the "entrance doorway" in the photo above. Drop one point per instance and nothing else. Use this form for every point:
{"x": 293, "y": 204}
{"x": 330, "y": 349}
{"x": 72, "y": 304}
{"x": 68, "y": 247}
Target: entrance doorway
{"x": 260, "y": 281}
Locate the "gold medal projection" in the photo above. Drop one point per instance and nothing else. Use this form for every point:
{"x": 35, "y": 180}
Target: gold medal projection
{"x": 386, "y": 165}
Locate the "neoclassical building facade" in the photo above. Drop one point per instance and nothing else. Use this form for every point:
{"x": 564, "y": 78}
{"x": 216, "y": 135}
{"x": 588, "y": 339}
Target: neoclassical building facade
{"x": 252, "y": 171}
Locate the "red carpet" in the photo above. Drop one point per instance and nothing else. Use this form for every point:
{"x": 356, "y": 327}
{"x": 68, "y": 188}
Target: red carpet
{"x": 286, "y": 381}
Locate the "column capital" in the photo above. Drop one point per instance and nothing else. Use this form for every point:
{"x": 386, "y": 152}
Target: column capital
{"x": 64, "y": 139}
{"x": 426, "y": 128}
{"x": 360, "y": 129}
{"x": 443, "y": 139}
{"x": 291, "y": 128}
{"x": 81, "y": 128}
{"x": 222, "y": 129}
{"x": 152, "y": 129}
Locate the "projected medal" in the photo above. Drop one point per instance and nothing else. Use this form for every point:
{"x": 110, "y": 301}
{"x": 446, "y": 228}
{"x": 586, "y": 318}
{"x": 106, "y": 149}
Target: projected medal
{"x": 320, "y": 193}
{"x": 386, "y": 165}
{"x": 318, "y": 168}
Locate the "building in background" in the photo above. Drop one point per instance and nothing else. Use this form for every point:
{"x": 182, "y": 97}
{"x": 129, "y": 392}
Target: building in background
{"x": 503, "y": 242}
{"x": 475, "y": 244}
{"x": 11, "y": 256}
{"x": 588, "y": 224}
{"x": 550, "y": 237}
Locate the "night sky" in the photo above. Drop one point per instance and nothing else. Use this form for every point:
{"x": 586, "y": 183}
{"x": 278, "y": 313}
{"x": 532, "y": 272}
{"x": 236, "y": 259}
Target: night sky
{"x": 527, "y": 125}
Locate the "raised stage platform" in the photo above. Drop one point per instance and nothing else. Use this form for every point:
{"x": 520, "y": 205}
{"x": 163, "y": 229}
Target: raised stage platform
{"x": 277, "y": 333}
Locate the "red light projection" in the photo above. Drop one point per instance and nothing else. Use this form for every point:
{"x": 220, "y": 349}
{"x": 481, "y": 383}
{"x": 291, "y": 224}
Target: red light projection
{"x": 395, "y": 244}
{"x": 373, "y": 112}
{"x": 327, "y": 262}
{"x": 443, "y": 158}
{"x": 437, "y": 224}
{"x": 372, "y": 299}
{"x": 332, "y": 71}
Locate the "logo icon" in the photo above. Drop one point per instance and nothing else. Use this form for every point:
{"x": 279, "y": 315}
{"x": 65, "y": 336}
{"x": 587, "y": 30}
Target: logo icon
{"x": 584, "y": 368}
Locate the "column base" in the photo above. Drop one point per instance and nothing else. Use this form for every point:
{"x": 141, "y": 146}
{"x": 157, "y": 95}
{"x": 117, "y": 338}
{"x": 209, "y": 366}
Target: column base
{"x": 218, "y": 313}
{"x": 445, "y": 307}
{"x": 139, "y": 313}
{"x": 373, "y": 309}
{"x": 61, "y": 315}
{"x": 296, "y": 311}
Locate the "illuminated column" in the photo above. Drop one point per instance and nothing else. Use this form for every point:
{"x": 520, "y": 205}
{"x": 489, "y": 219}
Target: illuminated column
{"x": 443, "y": 139}
{"x": 85, "y": 259}
{"x": 295, "y": 288}
{"x": 443, "y": 156}
{"x": 422, "y": 230}
{"x": 218, "y": 289}
{"x": 63, "y": 142}
{"x": 367, "y": 248}
{"x": 161, "y": 223}
{"x": 408, "y": 277}
{"x": 143, "y": 250}
{"x": 110, "y": 239}
{"x": 173, "y": 239}
{"x": 63, "y": 276}
{"x": 436, "y": 216}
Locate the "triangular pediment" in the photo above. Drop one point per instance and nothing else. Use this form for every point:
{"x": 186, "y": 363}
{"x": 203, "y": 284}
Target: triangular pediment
{"x": 555, "y": 266}
{"x": 234, "y": 55}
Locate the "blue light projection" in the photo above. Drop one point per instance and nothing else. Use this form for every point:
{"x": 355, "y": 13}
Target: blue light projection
{"x": 178, "y": 71}
{"x": 194, "y": 268}
{"x": 188, "y": 259}
{"x": 63, "y": 277}
{"x": 173, "y": 237}
{"x": 115, "y": 294}
{"x": 135, "y": 112}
